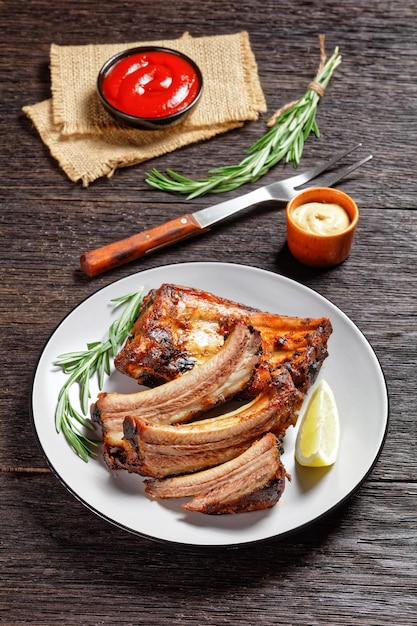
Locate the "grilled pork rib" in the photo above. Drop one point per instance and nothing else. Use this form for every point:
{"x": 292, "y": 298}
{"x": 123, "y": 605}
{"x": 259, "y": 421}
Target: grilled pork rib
{"x": 181, "y": 327}
{"x": 251, "y": 481}
{"x": 159, "y": 450}
{"x": 218, "y": 379}
{"x": 197, "y": 350}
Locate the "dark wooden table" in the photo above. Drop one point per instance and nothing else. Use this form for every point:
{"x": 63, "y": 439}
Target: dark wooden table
{"x": 60, "y": 563}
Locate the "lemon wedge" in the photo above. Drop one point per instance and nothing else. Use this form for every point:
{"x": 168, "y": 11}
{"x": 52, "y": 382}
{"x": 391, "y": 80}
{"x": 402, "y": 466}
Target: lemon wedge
{"x": 317, "y": 442}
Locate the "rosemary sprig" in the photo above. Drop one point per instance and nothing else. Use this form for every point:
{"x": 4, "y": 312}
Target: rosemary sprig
{"x": 81, "y": 366}
{"x": 290, "y": 128}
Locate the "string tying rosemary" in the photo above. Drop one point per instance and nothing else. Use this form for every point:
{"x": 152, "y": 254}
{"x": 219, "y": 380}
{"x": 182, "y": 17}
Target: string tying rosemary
{"x": 81, "y": 366}
{"x": 290, "y": 127}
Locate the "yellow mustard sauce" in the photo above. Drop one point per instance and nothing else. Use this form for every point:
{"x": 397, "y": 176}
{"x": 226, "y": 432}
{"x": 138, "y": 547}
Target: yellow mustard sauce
{"x": 321, "y": 218}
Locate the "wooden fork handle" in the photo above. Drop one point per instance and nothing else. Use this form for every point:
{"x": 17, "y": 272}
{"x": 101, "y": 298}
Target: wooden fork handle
{"x": 120, "y": 252}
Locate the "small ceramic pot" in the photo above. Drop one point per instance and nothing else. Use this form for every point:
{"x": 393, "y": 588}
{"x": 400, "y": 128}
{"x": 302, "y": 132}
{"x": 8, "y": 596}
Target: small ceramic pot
{"x": 317, "y": 249}
{"x": 150, "y": 122}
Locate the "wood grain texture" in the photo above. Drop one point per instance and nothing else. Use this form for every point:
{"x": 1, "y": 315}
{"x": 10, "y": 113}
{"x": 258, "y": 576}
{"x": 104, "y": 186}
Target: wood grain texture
{"x": 60, "y": 563}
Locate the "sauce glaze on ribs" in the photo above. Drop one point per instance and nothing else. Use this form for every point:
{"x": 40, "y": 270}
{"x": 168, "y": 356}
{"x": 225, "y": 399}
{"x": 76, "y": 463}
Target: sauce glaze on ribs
{"x": 181, "y": 327}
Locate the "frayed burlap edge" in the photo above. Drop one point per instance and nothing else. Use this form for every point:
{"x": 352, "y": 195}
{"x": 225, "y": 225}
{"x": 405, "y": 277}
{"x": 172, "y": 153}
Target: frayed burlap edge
{"x": 86, "y": 158}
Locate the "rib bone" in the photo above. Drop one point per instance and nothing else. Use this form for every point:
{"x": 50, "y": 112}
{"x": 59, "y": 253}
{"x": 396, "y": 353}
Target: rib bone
{"x": 254, "y": 480}
{"x": 162, "y": 450}
{"x": 180, "y": 327}
{"x": 218, "y": 379}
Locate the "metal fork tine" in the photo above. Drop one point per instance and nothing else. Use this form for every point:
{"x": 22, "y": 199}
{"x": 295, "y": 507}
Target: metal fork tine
{"x": 300, "y": 179}
{"x": 330, "y": 180}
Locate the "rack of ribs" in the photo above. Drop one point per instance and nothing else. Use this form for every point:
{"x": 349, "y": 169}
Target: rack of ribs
{"x": 221, "y": 377}
{"x": 180, "y": 327}
{"x": 197, "y": 351}
{"x": 159, "y": 450}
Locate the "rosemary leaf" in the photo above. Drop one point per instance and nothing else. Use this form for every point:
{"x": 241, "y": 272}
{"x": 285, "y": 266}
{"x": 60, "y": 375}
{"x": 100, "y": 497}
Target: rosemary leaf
{"x": 85, "y": 390}
{"x": 102, "y": 369}
{"x": 113, "y": 337}
{"x": 289, "y": 131}
{"x": 81, "y": 366}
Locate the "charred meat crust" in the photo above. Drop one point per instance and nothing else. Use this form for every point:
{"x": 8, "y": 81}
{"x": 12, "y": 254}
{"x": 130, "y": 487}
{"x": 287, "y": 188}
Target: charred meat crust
{"x": 254, "y": 480}
{"x": 218, "y": 379}
{"x": 162, "y": 450}
{"x": 180, "y": 327}
{"x": 257, "y": 498}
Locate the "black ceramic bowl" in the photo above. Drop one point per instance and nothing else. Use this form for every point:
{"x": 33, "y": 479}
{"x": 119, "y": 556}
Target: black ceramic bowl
{"x": 140, "y": 120}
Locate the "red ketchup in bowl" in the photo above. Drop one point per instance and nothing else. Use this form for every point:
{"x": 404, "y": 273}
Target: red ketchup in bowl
{"x": 151, "y": 84}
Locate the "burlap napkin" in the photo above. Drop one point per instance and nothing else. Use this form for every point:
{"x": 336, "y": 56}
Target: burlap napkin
{"x": 88, "y": 143}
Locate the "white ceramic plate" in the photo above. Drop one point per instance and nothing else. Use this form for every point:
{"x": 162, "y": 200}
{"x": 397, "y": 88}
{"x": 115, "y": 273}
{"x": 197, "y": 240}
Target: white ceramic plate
{"x": 351, "y": 369}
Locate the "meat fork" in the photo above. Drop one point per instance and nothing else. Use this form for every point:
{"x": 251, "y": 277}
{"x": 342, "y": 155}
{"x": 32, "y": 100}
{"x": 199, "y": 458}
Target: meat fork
{"x": 120, "y": 252}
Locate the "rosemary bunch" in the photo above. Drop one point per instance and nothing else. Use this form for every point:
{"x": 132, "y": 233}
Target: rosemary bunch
{"x": 81, "y": 366}
{"x": 290, "y": 128}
